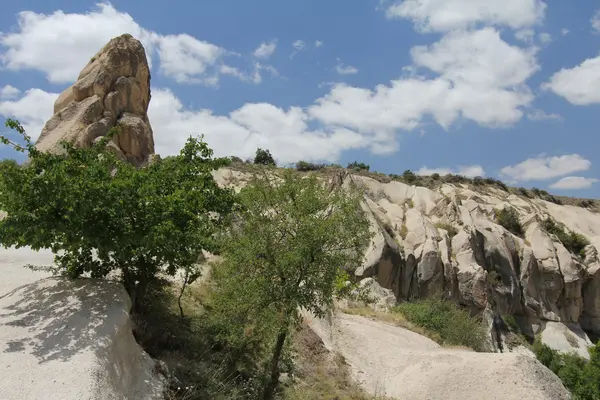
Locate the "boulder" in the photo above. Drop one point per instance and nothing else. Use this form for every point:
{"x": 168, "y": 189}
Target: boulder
{"x": 65, "y": 339}
{"x": 113, "y": 89}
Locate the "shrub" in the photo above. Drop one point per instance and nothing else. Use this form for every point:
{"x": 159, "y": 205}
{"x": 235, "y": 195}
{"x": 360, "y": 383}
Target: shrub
{"x": 524, "y": 192}
{"x": 409, "y": 177}
{"x": 580, "y": 377}
{"x": 403, "y": 231}
{"x": 263, "y": 157}
{"x": 478, "y": 181}
{"x": 435, "y": 176}
{"x": 99, "y": 215}
{"x": 306, "y": 166}
{"x": 454, "y": 325}
{"x": 358, "y": 166}
{"x": 237, "y": 160}
{"x": 452, "y": 231}
{"x": 574, "y": 242}
{"x": 509, "y": 219}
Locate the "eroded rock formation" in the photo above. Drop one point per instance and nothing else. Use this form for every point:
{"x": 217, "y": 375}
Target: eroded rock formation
{"x": 113, "y": 89}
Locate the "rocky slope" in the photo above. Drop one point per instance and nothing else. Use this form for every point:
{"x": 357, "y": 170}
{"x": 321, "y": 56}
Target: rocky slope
{"x": 447, "y": 241}
{"x": 113, "y": 89}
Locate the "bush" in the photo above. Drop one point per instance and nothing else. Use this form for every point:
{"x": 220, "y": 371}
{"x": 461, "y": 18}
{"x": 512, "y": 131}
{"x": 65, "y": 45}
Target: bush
{"x": 478, "y": 181}
{"x": 454, "y": 325}
{"x": 435, "y": 176}
{"x": 509, "y": 219}
{"x": 358, "y": 166}
{"x": 574, "y": 242}
{"x": 580, "y": 377}
{"x": 306, "y": 166}
{"x": 524, "y": 192}
{"x": 236, "y": 159}
{"x": 263, "y": 157}
{"x": 452, "y": 231}
{"x": 409, "y": 177}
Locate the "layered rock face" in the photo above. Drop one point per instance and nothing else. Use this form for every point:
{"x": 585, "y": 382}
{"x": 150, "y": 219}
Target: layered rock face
{"x": 480, "y": 264}
{"x": 113, "y": 89}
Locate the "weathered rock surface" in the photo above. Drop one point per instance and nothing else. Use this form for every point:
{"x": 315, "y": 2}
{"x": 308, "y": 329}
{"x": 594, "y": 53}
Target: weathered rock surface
{"x": 63, "y": 340}
{"x": 479, "y": 264}
{"x": 113, "y": 89}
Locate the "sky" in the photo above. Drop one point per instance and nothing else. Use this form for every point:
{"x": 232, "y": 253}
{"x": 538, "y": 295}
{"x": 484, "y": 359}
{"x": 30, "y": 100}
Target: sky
{"x": 508, "y": 89}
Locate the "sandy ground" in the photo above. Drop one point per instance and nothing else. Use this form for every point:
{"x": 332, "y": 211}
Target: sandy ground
{"x": 12, "y": 263}
{"x": 392, "y": 361}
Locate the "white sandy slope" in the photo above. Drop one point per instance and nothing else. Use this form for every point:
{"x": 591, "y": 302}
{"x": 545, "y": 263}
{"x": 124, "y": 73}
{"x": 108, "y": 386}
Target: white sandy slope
{"x": 64, "y": 340}
{"x": 392, "y": 361}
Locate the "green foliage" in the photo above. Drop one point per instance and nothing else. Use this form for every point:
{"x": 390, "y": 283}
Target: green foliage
{"x": 580, "y": 377}
{"x": 574, "y": 242}
{"x": 358, "y": 166}
{"x": 524, "y": 192}
{"x": 509, "y": 219}
{"x": 452, "y": 231}
{"x": 409, "y": 177}
{"x": 99, "y": 215}
{"x": 478, "y": 181}
{"x": 306, "y": 166}
{"x": 236, "y": 160}
{"x": 289, "y": 249}
{"x": 511, "y": 323}
{"x": 454, "y": 325}
{"x": 403, "y": 231}
{"x": 263, "y": 157}
{"x": 435, "y": 176}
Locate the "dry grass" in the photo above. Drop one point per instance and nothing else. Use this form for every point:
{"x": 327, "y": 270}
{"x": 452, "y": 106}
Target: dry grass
{"x": 321, "y": 375}
{"x": 396, "y": 319}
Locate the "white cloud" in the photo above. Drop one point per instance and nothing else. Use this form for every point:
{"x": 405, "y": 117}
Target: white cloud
{"x": 564, "y": 31}
{"x": 436, "y": 15}
{"x": 595, "y": 21}
{"x": 525, "y": 35}
{"x": 580, "y": 85}
{"x": 298, "y": 45}
{"x": 318, "y": 43}
{"x": 574, "y": 182}
{"x": 542, "y": 167}
{"x": 265, "y": 50}
{"x": 469, "y": 171}
{"x": 541, "y": 115}
{"x": 481, "y": 78}
{"x": 32, "y": 110}
{"x": 345, "y": 69}
{"x": 77, "y": 37}
{"x": 545, "y": 38}
{"x": 9, "y": 92}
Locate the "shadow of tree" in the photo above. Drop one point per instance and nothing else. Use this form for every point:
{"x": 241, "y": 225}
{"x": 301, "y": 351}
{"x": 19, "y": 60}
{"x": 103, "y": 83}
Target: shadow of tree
{"x": 60, "y": 318}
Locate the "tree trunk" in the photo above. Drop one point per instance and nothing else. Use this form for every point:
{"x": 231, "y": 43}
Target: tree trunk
{"x": 272, "y": 385}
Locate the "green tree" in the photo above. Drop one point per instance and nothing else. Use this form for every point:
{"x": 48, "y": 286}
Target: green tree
{"x": 355, "y": 165}
{"x": 508, "y": 217}
{"x": 292, "y": 243}
{"x": 99, "y": 215}
{"x": 263, "y": 157}
{"x": 409, "y": 176}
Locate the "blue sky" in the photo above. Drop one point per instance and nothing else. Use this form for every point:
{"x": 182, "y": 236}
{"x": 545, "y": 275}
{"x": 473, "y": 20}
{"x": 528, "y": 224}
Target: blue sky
{"x": 501, "y": 88}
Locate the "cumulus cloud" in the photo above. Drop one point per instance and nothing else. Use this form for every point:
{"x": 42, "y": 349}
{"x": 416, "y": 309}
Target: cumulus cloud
{"x": 435, "y": 15}
{"x": 265, "y": 50}
{"x": 33, "y": 108}
{"x": 541, "y": 168}
{"x": 574, "y": 182}
{"x": 9, "y": 92}
{"x": 580, "y": 85}
{"x": 77, "y": 37}
{"x": 469, "y": 171}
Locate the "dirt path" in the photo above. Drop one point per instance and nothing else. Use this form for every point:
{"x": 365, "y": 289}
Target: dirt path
{"x": 392, "y": 361}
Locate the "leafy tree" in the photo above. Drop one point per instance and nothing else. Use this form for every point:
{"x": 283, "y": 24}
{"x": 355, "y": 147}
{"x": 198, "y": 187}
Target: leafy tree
{"x": 290, "y": 247}
{"x": 306, "y": 166}
{"x": 99, "y": 215}
{"x": 358, "y": 166}
{"x": 435, "y": 176}
{"x": 263, "y": 157}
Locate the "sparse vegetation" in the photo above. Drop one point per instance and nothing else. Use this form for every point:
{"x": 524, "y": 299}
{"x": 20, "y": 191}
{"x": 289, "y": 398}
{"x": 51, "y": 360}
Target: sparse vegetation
{"x": 454, "y": 325}
{"x": 452, "y": 231}
{"x": 574, "y": 242}
{"x": 582, "y": 378}
{"x": 306, "y": 166}
{"x": 403, "y": 231}
{"x": 409, "y": 177}
{"x": 509, "y": 219}
{"x": 358, "y": 166}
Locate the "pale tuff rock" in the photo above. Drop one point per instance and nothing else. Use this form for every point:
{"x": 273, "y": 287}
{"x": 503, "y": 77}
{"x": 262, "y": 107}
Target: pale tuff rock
{"x": 483, "y": 267}
{"x": 113, "y": 89}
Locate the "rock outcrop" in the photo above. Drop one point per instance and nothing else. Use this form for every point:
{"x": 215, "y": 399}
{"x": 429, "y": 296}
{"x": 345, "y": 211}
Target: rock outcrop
{"x": 113, "y": 89}
{"x": 63, "y": 339}
{"x": 447, "y": 242}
